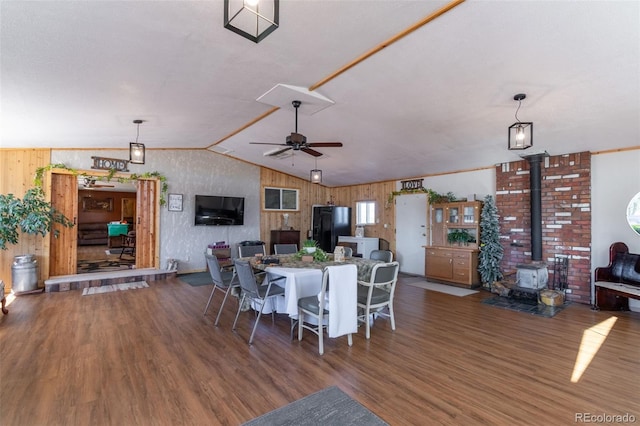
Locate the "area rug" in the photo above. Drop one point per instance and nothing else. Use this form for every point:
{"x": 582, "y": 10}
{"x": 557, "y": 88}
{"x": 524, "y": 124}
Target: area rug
{"x": 532, "y": 308}
{"x": 105, "y": 265}
{"x": 443, "y": 288}
{"x": 328, "y": 407}
{"x": 198, "y": 279}
{"x": 114, "y": 287}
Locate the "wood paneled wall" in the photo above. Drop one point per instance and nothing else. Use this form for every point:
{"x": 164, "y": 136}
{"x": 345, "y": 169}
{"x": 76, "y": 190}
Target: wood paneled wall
{"x": 17, "y": 169}
{"x": 311, "y": 194}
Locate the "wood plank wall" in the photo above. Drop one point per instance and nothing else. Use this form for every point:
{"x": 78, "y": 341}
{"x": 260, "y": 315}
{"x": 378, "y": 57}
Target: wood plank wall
{"x": 17, "y": 169}
{"x": 311, "y": 194}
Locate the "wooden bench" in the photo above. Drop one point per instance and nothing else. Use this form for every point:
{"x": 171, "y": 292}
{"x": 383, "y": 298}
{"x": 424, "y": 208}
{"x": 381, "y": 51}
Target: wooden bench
{"x": 618, "y": 281}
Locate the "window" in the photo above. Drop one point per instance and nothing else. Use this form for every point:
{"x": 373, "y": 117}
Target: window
{"x": 365, "y": 212}
{"x": 280, "y": 199}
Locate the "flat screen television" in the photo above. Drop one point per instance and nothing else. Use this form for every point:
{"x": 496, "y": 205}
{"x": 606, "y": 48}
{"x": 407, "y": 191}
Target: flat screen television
{"x": 214, "y": 210}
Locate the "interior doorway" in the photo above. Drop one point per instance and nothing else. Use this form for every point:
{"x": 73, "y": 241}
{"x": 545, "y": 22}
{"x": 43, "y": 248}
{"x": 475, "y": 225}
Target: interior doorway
{"x": 411, "y": 232}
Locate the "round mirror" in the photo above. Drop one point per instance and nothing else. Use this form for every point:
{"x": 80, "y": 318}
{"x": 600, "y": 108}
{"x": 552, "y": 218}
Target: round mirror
{"x": 633, "y": 213}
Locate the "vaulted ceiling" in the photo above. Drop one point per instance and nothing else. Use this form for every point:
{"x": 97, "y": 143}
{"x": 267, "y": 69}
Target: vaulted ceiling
{"x": 437, "y": 99}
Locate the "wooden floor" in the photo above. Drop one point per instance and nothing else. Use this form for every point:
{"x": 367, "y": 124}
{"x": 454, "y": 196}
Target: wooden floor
{"x": 149, "y": 357}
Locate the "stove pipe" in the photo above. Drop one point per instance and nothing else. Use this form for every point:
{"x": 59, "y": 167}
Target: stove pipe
{"x": 535, "y": 184}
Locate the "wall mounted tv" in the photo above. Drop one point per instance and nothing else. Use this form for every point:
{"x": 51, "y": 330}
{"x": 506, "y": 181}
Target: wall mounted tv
{"x": 214, "y": 210}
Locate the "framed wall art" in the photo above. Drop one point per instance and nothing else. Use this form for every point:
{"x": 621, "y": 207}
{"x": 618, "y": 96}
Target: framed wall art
{"x": 175, "y": 202}
{"x": 97, "y": 204}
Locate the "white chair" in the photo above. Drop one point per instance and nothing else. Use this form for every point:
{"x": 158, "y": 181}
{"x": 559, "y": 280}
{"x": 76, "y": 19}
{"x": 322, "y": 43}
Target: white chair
{"x": 285, "y": 248}
{"x": 221, "y": 282}
{"x": 334, "y": 279}
{"x": 256, "y": 293}
{"x": 377, "y": 293}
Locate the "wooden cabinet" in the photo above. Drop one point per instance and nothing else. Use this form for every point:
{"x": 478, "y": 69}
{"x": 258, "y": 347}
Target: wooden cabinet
{"x": 455, "y": 233}
{"x": 284, "y": 237}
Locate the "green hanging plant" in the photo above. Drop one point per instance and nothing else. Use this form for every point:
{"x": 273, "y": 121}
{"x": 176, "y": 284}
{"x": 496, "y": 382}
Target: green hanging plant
{"x": 433, "y": 196}
{"x": 164, "y": 187}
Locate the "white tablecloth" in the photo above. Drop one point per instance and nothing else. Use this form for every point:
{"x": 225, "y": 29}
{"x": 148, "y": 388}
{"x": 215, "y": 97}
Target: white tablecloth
{"x": 298, "y": 283}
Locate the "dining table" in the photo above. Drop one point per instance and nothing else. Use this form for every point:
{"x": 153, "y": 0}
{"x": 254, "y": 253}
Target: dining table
{"x": 302, "y": 278}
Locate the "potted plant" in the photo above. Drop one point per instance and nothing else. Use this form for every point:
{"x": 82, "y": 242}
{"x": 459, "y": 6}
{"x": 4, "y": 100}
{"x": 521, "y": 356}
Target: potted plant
{"x": 491, "y": 251}
{"x": 309, "y": 246}
{"x": 31, "y": 215}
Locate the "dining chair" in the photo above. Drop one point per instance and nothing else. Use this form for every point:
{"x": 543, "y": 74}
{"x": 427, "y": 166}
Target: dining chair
{"x": 384, "y": 255}
{"x": 377, "y": 293}
{"x": 348, "y": 251}
{"x": 256, "y": 293}
{"x": 129, "y": 244}
{"x": 224, "y": 280}
{"x": 316, "y": 306}
{"x": 251, "y": 250}
{"x": 285, "y": 248}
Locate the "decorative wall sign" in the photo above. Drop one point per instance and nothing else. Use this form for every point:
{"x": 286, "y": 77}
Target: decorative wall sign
{"x": 102, "y": 163}
{"x": 411, "y": 184}
{"x": 175, "y": 202}
{"x": 93, "y": 204}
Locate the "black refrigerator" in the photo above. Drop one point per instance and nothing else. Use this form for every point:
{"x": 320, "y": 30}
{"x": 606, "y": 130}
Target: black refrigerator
{"x": 329, "y": 222}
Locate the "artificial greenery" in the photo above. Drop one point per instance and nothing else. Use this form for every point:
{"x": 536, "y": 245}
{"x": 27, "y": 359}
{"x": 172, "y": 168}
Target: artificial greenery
{"x": 164, "y": 187}
{"x": 319, "y": 255}
{"x": 31, "y": 215}
{"x": 491, "y": 251}
{"x": 432, "y": 195}
{"x": 460, "y": 236}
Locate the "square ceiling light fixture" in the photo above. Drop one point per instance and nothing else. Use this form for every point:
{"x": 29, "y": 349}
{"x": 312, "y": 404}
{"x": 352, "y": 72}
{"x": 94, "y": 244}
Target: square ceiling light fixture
{"x": 252, "y": 19}
{"x": 520, "y": 133}
{"x": 136, "y": 149}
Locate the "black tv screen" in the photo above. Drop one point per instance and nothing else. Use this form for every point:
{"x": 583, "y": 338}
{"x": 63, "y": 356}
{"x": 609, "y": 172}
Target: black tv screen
{"x": 214, "y": 210}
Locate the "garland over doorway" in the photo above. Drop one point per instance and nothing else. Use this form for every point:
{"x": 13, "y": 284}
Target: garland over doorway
{"x": 111, "y": 174}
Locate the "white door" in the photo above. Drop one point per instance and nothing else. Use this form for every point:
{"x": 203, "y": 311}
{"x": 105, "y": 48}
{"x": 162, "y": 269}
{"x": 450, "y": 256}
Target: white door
{"x": 411, "y": 232}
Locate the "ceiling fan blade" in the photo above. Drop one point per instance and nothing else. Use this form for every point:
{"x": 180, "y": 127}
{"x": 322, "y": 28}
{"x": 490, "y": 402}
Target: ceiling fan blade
{"x": 278, "y": 152}
{"x": 311, "y": 151}
{"x": 266, "y": 143}
{"x": 325, "y": 144}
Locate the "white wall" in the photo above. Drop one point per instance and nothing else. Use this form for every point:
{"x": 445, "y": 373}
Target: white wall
{"x": 190, "y": 172}
{"x": 615, "y": 179}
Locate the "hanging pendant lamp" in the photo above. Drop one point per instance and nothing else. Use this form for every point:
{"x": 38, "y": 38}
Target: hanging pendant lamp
{"x": 136, "y": 150}
{"x": 520, "y": 133}
{"x": 316, "y": 174}
{"x": 252, "y": 19}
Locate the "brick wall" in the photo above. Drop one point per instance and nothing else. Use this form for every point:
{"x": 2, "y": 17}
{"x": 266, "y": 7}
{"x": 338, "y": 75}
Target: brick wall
{"x": 566, "y": 217}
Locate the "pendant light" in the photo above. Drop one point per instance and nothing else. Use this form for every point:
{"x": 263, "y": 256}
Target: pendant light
{"x": 252, "y": 19}
{"x": 520, "y": 133}
{"x": 136, "y": 150}
{"x": 316, "y": 174}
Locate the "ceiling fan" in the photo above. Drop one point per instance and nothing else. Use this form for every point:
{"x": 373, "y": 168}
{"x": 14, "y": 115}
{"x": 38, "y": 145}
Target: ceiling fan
{"x": 91, "y": 183}
{"x": 298, "y": 142}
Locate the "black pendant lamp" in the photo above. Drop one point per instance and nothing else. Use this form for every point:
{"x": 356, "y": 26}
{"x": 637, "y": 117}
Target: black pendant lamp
{"x": 520, "y": 133}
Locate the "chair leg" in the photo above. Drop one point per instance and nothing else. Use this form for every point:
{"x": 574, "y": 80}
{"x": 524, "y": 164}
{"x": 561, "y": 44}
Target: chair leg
{"x": 255, "y": 325}
{"x": 206, "y": 308}
{"x": 226, "y": 294}
{"x": 320, "y": 335}
{"x": 300, "y": 321}
{"x": 238, "y": 313}
{"x": 392, "y": 316}
{"x": 367, "y": 323}
{"x": 350, "y": 339}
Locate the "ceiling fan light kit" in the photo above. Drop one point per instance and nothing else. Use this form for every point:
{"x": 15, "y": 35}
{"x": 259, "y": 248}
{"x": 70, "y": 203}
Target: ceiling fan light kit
{"x": 520, "y": 133}
{"x": 136, "y": 150}
{"x": 252, "y": 19}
